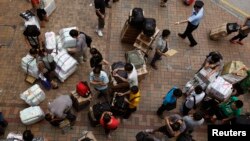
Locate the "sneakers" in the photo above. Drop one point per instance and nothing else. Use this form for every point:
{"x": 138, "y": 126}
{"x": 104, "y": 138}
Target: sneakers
{"x": 99, "y": 32}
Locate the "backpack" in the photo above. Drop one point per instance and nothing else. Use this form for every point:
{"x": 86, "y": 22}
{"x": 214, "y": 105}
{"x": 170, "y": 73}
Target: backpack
{"x": 232, "y": 27}
{"x": 82, "y": 89}
{"x": 137, "y": 17}
{"x": 88, "y": 39}
{"x": 32, "y": 32}
{"x": 149, "y": 26}
{"x": 99, "y": 108}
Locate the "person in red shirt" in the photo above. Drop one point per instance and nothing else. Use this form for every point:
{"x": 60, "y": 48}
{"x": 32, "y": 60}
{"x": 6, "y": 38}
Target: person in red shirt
{"x": 109, "y": 122}
{"x": 35, "y": 3}
{"x": 40, "y": 12}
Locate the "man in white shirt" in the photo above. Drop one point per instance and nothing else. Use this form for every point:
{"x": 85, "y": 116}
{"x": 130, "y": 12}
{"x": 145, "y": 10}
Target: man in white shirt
{"x": 193, "y": 99}
{"x": 132, "y": 74}
{"x": 193, "y": 22}
{"x": 193, "y": 121}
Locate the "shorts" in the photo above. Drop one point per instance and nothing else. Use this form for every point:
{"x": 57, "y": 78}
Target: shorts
{"x": 41, "y": 14}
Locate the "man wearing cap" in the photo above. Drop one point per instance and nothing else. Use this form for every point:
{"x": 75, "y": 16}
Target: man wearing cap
{"x": 193, "y": 22}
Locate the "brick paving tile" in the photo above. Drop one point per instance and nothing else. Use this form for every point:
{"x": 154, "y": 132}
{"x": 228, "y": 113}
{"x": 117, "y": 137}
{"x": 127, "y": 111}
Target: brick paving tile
{"x": 176, "y": 70}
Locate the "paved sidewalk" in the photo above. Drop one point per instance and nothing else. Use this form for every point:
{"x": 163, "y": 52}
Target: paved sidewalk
{"x": 173, "y": 71}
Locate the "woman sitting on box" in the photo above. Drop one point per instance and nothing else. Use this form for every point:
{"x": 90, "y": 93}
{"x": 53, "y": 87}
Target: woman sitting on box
{"x": 214, "y": 62}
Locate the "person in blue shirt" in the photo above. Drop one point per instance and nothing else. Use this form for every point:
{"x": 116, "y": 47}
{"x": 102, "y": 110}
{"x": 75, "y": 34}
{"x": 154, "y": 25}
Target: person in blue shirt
{"x": 169, "y": 101}
{"x": 99, "y": 79}
{"x": 193, "y": 22}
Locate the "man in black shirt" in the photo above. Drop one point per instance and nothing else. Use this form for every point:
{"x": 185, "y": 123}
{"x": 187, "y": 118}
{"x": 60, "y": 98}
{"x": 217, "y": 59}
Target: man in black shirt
{"x": 100, "y": 12}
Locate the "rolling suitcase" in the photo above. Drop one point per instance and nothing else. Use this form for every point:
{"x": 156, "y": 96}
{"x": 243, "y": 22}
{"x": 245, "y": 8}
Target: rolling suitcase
{"x": 136, "y": 18}
{"x": 118, "y": 105}
{"x": 95, "y": 112}
{"x": 31, "y": 115}
{"x": 149, "y": 27}
{"x": 80, "y": 102}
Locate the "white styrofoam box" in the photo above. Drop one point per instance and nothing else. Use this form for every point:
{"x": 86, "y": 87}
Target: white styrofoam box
{"x": 67, "y": 40}
{"x": 64, "y": 61}
{"x": 220, "y": 89}
{"x": 31, "y": 115}
{"x": 32, "y": 21}
{"x": 33, "y": 96}
{"x": 49, "y": 6}
{"x": 32, "y": 68}
{"x": 50, "y": 40}
{"x": 62, "y": 76}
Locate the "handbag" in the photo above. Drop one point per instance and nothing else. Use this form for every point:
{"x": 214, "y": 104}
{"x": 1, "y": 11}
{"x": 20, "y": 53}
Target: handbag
{"x": 170, "y": 106}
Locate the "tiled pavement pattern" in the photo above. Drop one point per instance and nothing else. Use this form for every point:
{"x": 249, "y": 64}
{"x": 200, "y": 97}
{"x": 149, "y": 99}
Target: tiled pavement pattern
{"x": 176, "y": 70}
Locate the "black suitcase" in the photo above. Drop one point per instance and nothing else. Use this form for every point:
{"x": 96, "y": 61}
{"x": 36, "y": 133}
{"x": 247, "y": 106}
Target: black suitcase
{"x": 95, "y": 112}
{"x": 121, "y": 73}
{"x": 119, "y": 106}
{"x": 149, "y": 26}
{"x": 137, "y": 17}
